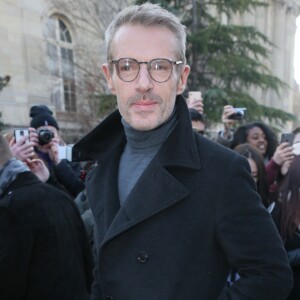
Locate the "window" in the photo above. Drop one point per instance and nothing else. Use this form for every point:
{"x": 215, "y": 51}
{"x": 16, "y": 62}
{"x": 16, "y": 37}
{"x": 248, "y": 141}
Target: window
{"x": 61, "y": 63}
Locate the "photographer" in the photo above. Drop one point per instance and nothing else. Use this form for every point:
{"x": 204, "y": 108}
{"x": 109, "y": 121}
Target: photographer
{"x": 44, "y": 134}
{"x": 44, "y": 250}
{"x": 225, "y": 136}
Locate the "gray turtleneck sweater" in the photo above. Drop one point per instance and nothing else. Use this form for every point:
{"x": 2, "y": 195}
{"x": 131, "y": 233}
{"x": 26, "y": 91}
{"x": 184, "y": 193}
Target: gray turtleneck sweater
{"x": 140, "y": 149}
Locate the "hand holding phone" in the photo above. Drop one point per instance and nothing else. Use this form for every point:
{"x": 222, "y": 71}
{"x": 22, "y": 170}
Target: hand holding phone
{"x": 195, "y": 101}
{"x": 21, "y": 147}
{"x": 195, "y": 96}
{"x": 238, "y": 113}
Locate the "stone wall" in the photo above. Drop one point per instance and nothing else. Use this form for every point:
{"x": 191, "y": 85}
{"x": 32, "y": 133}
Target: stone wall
{"x": 22, "y": 55}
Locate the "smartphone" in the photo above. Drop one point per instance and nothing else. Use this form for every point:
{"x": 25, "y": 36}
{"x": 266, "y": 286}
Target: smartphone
{"x": 296, "y": 148}
{"x": 65, "y": 152}
{"x": 19, "y": 133}
{"x": 195, "y": 96}
{"x": 287, "y": 137}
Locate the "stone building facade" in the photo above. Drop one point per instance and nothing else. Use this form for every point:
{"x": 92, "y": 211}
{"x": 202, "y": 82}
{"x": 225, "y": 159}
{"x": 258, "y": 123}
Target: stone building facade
{"x": 278, "y": 22}
{"x": 35, "y": 35}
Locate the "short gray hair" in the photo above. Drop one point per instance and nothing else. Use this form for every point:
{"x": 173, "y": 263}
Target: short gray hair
{"x": 147, "y": 14}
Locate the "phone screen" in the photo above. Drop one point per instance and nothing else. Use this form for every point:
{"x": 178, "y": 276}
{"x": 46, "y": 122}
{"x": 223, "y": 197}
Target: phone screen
{"x": 195, "y": 96}
{"x": 19, "y": 133}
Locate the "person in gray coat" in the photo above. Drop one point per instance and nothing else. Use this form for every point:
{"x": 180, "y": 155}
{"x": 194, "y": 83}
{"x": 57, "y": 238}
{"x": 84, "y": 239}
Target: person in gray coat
{"x": 174, "y": 211}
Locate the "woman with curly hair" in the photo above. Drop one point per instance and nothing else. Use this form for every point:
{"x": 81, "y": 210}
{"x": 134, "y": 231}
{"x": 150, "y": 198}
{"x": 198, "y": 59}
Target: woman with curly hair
{"x": 277, "y": 158}
{"x": 258, "y": 135}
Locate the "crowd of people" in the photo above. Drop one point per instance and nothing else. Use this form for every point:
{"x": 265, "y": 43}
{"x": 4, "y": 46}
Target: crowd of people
{"x": 168, "y": 213}
{"x": 274, "y": 165}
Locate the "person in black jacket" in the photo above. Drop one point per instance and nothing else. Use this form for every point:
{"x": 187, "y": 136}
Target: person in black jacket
{"x": 173, "y": 211}
{"x": 44, "y": 252}
{"x": 44, "y": 143}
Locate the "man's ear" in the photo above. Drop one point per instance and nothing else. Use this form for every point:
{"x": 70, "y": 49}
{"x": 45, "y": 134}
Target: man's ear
{"x": 184, "y": 74}
{"x": 108, "y": 76}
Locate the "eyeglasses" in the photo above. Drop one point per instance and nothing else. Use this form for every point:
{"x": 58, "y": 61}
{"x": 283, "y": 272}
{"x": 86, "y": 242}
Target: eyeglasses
{"x": 160, "y": 69}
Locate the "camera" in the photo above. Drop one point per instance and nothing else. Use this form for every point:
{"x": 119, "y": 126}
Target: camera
{"x": 45, "y": 136}
{"x": 238, "y": 114}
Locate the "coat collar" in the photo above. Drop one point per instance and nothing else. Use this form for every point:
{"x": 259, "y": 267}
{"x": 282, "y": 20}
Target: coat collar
{"x": 157, "y": 188}
{"x": 179, "y": 149}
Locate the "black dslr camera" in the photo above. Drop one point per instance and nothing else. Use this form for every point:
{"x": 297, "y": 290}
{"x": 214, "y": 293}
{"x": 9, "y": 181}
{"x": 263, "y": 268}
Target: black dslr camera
{"x": 45, "y": 136}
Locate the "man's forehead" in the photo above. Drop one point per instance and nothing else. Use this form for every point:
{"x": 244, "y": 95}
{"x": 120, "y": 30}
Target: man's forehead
{"x": 147, "y": 41}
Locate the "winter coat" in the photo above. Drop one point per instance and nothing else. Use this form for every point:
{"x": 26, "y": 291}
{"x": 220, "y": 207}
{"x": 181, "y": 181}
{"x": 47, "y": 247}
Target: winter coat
{"x": 193, "y": 215}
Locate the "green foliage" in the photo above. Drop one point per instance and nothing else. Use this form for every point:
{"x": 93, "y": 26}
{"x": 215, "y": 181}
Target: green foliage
{"x": 227, "y": 60}
{"x": 107, "y": 104}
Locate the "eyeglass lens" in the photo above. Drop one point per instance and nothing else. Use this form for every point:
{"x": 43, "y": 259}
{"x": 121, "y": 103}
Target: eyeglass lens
{"x": 128, "y": 69}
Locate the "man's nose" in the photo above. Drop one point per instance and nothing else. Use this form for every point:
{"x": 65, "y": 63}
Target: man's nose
{"x": 144, "y": 82}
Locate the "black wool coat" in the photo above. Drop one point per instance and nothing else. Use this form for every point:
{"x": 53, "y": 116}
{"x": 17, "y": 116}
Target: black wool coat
{"x": 192, "y": 216}
{"x": 44, "y": 251}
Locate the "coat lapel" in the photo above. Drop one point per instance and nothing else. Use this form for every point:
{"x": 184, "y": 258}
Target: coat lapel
{"x": 158, "y": 188}
{"x": 155, "y": 191}
{"x": 102, "y": 189}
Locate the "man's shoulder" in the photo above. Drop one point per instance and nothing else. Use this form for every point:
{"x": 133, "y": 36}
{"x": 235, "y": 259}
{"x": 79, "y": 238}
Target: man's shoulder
{"x": 209, "y": 147}
{"x": 28, "y": 191}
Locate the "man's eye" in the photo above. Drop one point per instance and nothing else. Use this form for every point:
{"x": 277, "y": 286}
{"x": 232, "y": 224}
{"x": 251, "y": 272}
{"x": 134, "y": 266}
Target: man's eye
{"x": 126, "y": 67}
{"x": 129, "y": 66}
{"x": 158, "y": 67}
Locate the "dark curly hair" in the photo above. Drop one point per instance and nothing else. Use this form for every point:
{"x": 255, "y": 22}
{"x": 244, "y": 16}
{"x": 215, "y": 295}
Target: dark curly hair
{"x": 241, "y": 134}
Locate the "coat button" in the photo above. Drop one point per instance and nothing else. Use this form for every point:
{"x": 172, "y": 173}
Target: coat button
{"x": 142, "y": 257}
{"x": 109, "y": 298}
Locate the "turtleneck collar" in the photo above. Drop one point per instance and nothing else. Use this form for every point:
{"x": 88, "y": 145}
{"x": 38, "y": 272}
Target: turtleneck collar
{"x": 141, "y": 140}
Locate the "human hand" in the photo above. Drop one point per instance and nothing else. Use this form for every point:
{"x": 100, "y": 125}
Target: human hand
{"x": 52, "y": 149}
{"x": 23, "y": 149}
{"x": 38, "y": 167}
{"x": 283, "y": 153}
{"x": 285, "y": 167}
{"x": 198, "y": 105}
{"x": 228, "y": 110}
{"x": 33, "y": 136}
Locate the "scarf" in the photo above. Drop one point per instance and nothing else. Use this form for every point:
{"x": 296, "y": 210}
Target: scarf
{"x": 9, "y": 172}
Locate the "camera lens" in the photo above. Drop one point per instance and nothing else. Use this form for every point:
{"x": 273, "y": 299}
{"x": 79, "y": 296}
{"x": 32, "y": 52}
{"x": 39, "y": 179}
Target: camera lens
{"x": 45, "y": 136}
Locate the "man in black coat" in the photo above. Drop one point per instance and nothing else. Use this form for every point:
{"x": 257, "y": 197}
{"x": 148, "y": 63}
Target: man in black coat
{"x": 174, "y": 211}
{"x": 44, "y": 252}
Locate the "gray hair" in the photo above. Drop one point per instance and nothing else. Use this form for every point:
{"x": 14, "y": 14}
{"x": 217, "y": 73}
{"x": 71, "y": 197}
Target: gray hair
{"x": 147, "y": 14}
